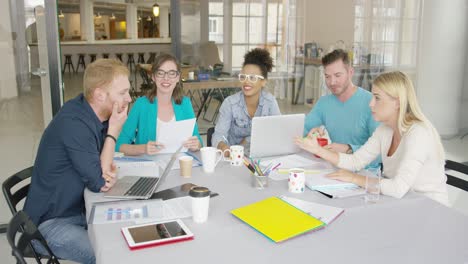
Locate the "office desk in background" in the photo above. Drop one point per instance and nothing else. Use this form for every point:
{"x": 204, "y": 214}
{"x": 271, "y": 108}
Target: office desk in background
{"x": 414, "y": 229}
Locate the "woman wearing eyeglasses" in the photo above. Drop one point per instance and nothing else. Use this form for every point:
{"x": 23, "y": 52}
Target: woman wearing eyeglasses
{"x": 163, "y": 104}
{"x": 236, "y": 113}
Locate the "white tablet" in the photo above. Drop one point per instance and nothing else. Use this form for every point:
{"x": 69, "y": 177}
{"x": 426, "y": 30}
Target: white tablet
{"x": 155, "y": 234}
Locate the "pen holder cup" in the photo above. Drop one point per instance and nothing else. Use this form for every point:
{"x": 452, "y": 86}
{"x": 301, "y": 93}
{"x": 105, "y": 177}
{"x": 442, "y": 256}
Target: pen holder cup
{"x": 258, "y": 181}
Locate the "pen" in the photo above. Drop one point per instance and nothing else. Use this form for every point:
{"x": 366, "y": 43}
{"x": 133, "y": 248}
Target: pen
{"x": 326, "y": 194}
{"x": 225, "y": 139}
{"x": 249, "y": 166}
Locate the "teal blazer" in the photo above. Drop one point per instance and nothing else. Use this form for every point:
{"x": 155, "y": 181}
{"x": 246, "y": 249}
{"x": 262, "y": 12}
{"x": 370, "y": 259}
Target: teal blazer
{"x": 140, "y": 126}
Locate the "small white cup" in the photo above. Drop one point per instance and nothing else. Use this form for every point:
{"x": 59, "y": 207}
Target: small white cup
{"x": 210, "y": 158}
{"x": 191, "y": 76}
{"x": 296, "y": 180}
{"x": 200, "y": 203}
{"x": 236, "y": 155}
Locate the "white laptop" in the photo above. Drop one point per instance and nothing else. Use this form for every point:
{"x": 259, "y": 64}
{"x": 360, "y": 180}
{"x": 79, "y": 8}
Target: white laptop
{"x": 274, "y": 135}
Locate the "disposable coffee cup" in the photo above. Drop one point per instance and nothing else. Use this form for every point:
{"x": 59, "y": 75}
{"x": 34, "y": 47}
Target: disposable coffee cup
{"x": 185, "y": 163}
{"x": 200, "y": 203}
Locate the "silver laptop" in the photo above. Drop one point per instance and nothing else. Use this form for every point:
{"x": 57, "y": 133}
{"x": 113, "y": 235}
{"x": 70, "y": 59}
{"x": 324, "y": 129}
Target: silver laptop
{"x": 274, "y": 135}
{"x": 139, "y": 187}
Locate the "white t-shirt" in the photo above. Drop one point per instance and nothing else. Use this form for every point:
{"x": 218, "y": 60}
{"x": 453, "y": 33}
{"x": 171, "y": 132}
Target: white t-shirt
{"x": 415, "y": 165}
{"x": 159, "y": 122}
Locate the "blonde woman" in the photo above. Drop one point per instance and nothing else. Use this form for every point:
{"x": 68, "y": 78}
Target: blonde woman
{"x": 410, "y": 147}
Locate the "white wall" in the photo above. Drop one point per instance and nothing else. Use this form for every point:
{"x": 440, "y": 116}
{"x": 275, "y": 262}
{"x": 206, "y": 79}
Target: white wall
{"x": 8, "y": 85}
{"x": 441, "y": 63}
{"x": 329, "y": 21}
{"x": 464, "y": 102}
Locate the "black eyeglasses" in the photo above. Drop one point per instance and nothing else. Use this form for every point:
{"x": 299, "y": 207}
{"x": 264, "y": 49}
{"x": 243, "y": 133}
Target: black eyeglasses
{"x": 253, "y": 78}
{"x": 171, "y": 74}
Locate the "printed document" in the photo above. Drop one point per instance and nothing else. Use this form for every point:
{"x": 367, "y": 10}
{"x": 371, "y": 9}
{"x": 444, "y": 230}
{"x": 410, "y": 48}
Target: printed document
{"x": 173, "y": 134}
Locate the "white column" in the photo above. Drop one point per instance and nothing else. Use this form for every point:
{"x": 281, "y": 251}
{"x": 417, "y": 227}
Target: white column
{"x": 132, "y": 24}
{"x": 227, "y": 35}
{"x": 164, "y": 21}
{"x": 87, "y": 20}
{"x": 8, "y": 84}
{"x": 204, "y": 20}
{"x": 441, "y": 63}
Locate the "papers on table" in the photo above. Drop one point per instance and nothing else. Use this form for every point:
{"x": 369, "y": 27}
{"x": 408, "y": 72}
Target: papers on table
{"x": 135, "y": 166}
{"x": 324, "y": 213}
{"x": 295, "y": 161}
{"x": 173, "y": 134}
{"x": 334, "y": 188}
{"x": 140, "y": 211}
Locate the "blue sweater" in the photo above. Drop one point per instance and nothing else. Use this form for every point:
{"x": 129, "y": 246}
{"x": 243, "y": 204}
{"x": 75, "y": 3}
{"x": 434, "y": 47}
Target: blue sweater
{"x": 67, "y": 161}
{"x": 349, "y": 122}
{"x": 140, "y": 126}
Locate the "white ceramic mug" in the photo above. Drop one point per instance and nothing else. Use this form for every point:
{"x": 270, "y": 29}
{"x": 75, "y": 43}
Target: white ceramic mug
{"x": 191, "y": 75}
{"x": 210, "y": 158}
{"x": 296, "y": 180}
{"x": 236, "y": 155}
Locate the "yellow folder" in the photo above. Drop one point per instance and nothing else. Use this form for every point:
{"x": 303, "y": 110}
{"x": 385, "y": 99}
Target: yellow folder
{"x": 277, "y": 219}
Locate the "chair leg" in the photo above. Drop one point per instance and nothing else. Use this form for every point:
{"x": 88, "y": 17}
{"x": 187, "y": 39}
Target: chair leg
{"x": 3, "y": 228}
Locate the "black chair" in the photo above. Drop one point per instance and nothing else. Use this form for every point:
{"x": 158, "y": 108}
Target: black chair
{"x": 141, "y": 57}
{"x": 147, "y": 81}
{"x": 209, "y": 135}
{"x": 14, "y": 197}
{"x": 15, "y": 189}
{"x": 455, "y": 181}
{"x": 22, "y": 226}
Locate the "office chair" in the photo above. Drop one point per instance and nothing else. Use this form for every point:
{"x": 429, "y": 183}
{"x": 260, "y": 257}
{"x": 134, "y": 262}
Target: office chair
{"x": 20, "y": 183}
{"x": 21, "y": 225}
{"x": 209, "y": 135}
{"x": 455, "y": 181}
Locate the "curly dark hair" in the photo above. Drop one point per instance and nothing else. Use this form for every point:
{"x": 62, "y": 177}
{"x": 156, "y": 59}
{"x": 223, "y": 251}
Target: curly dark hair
{"x": 261, "y": 58}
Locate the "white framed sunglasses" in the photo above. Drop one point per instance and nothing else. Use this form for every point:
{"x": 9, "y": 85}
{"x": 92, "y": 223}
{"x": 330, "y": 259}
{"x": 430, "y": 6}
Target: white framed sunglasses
{"x": 253, "y": 78}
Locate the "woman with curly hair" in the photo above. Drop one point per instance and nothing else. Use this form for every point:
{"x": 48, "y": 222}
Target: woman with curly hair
{"x": 235, "y": 115}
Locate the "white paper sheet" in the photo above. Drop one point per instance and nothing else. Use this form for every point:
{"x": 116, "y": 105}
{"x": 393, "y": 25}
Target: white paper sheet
{"x": 311, "y": 165}
{"x": 324, "y": 213}
{"x": 173, "y": 134}
{"x": 138, "y": 211}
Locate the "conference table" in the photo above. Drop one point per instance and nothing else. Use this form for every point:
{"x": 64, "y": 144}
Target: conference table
{"x": 413, "y": 229}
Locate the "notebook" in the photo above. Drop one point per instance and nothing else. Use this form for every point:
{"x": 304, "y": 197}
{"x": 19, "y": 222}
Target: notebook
{"x": 277, "y": 219}
{"x": 139, "y": 187}
{"x": 330, "y": 187}
{"x": 269, "y": 141}
{"x": 323, "y": 212}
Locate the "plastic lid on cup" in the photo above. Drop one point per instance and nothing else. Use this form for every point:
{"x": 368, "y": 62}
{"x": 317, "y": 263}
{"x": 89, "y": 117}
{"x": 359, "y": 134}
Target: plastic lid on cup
{"x": 199, "y": 191}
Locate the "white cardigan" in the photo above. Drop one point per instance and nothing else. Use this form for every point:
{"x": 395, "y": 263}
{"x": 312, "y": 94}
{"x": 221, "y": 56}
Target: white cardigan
{"x": 415, "y": 164}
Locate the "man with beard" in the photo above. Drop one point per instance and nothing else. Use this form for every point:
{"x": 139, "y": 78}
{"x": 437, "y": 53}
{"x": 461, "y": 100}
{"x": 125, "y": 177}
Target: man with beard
{"x": 76, "y": 152}
{"x": 345, "y": 114}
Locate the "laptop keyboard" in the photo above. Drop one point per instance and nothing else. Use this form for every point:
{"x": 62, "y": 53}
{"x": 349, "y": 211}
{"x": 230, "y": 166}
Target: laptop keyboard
{"x": 142, "y": 186}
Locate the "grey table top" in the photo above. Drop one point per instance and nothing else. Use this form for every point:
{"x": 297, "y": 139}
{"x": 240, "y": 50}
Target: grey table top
{"x": 414, "y": 229}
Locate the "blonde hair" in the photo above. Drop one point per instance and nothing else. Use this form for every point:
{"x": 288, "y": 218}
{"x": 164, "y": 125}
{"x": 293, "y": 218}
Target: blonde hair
{"x": 100, "y": 73}
{"x": 398, "y": 85}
